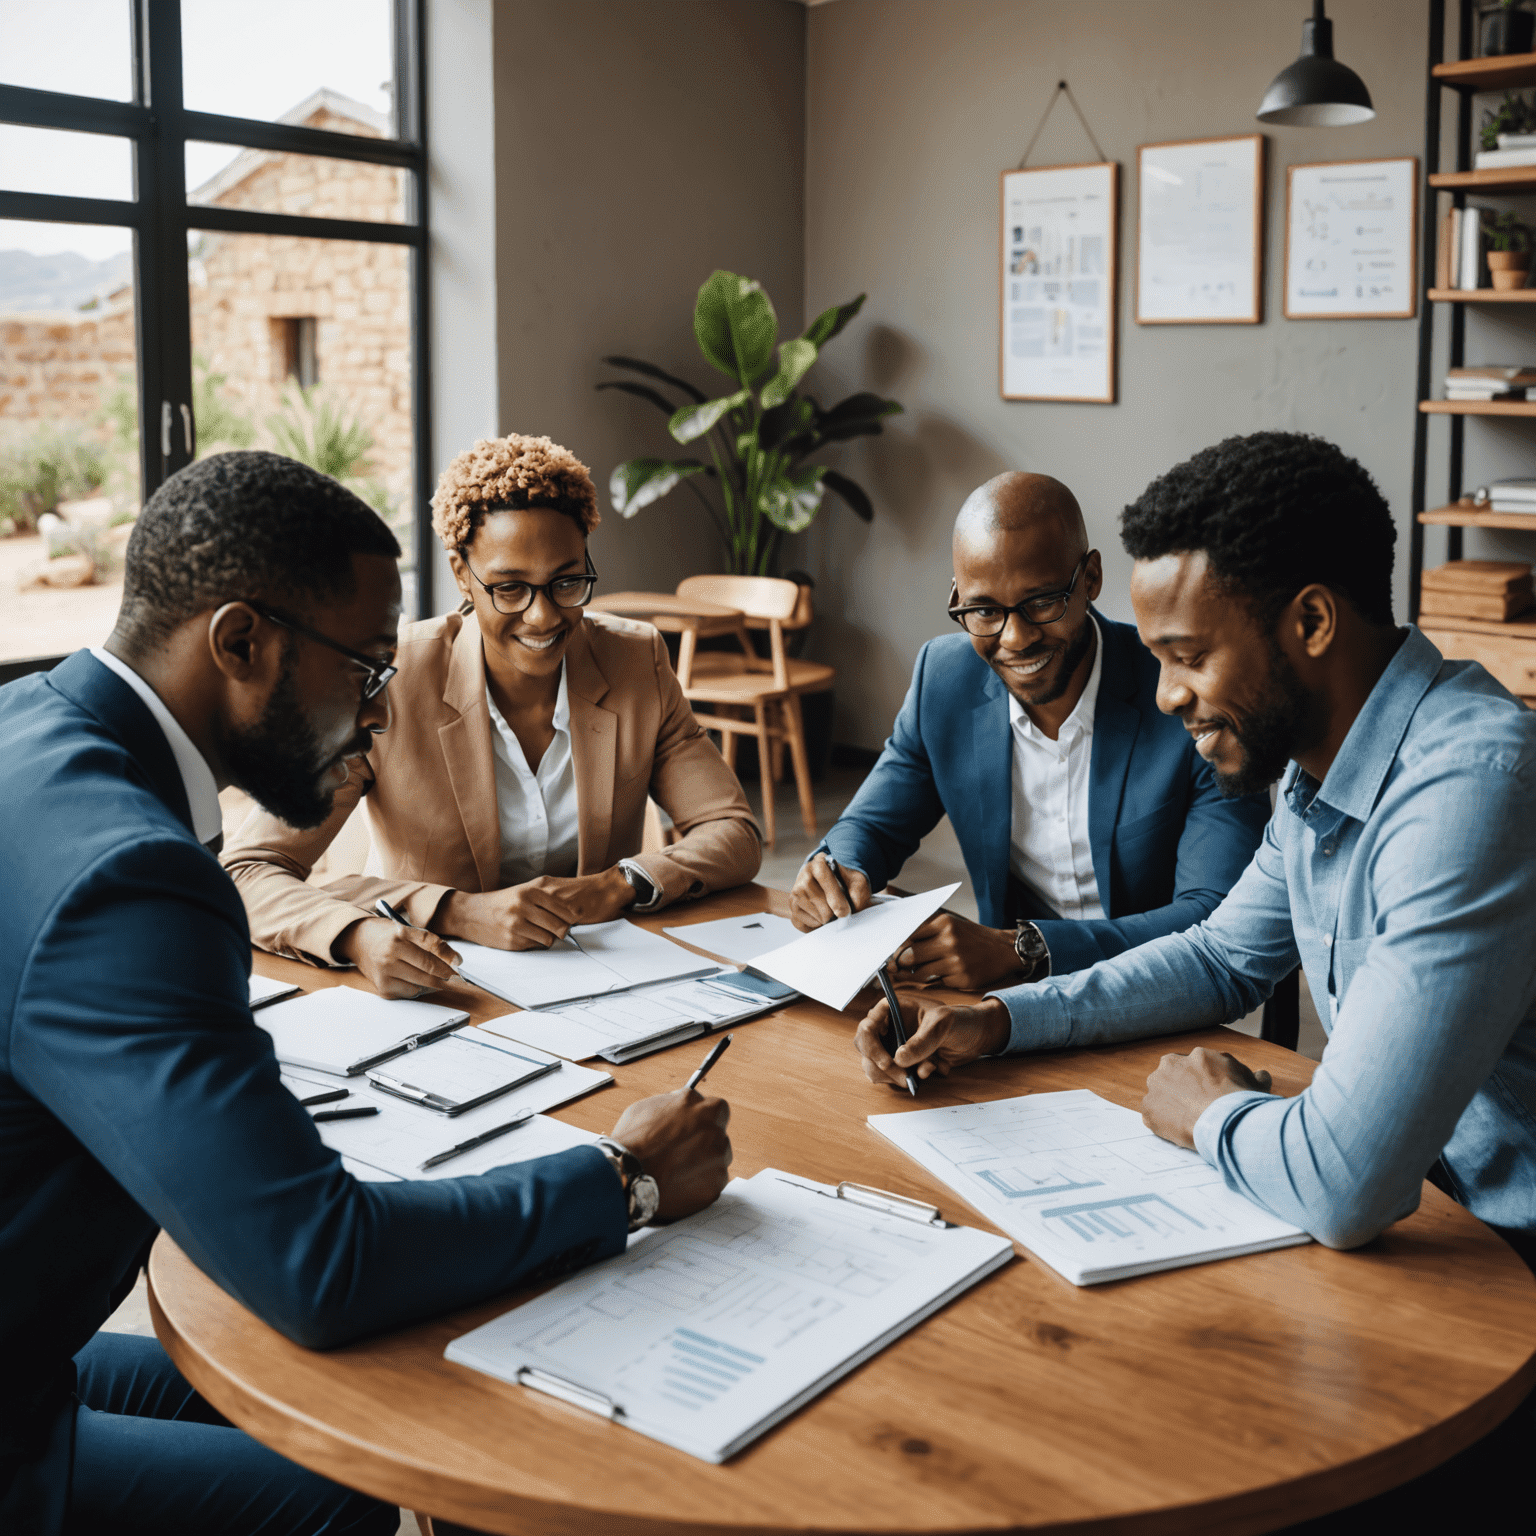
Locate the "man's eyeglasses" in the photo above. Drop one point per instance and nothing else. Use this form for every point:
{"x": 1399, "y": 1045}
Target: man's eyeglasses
{"x": 987, "y": 619}
{"x": 379, "y": 672}
{"x": 518, "y": 596}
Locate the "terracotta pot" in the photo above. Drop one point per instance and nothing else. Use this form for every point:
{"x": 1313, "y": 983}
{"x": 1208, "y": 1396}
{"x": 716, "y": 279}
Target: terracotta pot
{"x": 1509, "y": 269}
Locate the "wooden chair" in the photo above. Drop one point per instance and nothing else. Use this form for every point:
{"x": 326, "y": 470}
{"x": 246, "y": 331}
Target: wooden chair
{"x": 752, "y": 695}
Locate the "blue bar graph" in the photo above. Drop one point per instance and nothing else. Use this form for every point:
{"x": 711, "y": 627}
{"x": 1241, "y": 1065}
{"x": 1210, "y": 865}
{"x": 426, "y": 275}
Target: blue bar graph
{"x": 1093, "y": 1219}
{"x": 1010, "y": 1192}
{"x": 698, "y": 1369}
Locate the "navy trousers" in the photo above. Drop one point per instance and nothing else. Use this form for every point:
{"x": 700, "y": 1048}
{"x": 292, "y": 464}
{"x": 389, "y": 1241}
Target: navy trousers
{"x": 152, "y": 1457}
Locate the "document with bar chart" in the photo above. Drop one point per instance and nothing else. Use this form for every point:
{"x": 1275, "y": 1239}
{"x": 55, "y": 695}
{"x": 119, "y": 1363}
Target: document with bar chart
{"x": 1085, "y": 1186}
{"x": 706, "y": 1333}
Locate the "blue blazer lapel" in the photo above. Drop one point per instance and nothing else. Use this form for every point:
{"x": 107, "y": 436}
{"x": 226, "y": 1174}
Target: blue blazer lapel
{"x": 986, "y": 822}
{"x": 100, "y": 692}
{"x": 1115, "y": 724}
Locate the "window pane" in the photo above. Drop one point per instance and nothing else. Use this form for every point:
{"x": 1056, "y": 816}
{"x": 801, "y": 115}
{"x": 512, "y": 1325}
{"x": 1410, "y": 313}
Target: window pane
{"x": 84, "y": 47}
{"x": 304, "y": 347}
{"x": 269, "y": 61}
{"x": 278, "y": 182}
{"x": 69, "y": 466}
{"x": 70, "y": 164}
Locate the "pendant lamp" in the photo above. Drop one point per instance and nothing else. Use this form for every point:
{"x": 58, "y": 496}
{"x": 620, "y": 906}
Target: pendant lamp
{"x": 1317, "y": 91}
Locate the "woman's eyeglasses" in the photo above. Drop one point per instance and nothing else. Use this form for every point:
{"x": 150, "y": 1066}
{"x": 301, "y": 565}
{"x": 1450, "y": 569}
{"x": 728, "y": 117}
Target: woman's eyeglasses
{"x": 987, "y": 619}
{"x": 517, "y": 596}
{"x": 379, "y": 672}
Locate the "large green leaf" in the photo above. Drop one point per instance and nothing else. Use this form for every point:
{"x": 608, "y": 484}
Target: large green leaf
{"x": 695, "y": 420}
{"x": 784, "y": 422}
{"x": 829, "y": 322}
{"x": 736, "y": 327}
{"x": 858, "y": 416}
{"x": 641, "y": 391}
{"x": 792, "y": 501}
{"x": 795, "y": 359}
{"x": 852, "y": 493}
{"x": 651, "y": 371}
{"x": 639, "y": 482}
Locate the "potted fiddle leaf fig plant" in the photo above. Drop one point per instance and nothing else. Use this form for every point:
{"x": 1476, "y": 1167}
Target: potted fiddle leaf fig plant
{"x": 759, "y": 435}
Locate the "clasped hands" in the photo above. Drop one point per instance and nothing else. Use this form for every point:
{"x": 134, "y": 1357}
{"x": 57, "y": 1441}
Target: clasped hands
{"x": 404, "y": 962}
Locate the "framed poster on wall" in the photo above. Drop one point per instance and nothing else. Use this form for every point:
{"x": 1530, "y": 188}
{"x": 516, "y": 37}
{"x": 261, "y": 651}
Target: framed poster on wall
{"x": 1200, "y": 232}
{"x": 1058, "y": 285}
{"x": 1350, "y": 235}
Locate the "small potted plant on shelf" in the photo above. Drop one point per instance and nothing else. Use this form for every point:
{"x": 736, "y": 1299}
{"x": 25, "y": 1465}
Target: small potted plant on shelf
{"x": 1509, "y": 256}
{"x": 1507, "y": 28}
{"x": 1511, "y": 125}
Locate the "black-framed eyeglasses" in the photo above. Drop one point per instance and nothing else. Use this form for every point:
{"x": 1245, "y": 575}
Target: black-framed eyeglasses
{"x": 986, "y": 619}
{"x": 518, "y": 596}
{"x": 379, "y": 672}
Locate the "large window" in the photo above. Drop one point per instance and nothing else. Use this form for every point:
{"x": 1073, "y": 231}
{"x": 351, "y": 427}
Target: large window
{"x": 212, "y": 236}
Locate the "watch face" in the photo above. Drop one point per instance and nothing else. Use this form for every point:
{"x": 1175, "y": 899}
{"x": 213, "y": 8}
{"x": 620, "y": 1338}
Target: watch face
{"x": 644, "y": 1199}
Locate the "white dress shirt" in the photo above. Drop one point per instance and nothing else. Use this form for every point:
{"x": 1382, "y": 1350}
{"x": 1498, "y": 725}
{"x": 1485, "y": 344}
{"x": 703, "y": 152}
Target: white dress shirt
{"x": 1048, "y": 844}
{"x": 537, "y": 811}
{"x": 196, "y": 776}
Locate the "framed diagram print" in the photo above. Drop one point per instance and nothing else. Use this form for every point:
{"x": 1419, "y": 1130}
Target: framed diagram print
{"x": 1058, "y": 283}
{"x": 1350, "y": 240}
{"x": 1200, "y": 232}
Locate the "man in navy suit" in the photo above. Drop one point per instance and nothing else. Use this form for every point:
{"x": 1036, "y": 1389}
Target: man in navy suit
{"x": 260, "y": 605}
{"x": 1088, "y": 822}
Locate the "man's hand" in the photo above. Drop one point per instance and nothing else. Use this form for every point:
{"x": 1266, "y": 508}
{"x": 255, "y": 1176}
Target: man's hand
{"x": 680, "y": 1140}
{"x": 939, "y": 1037}
{"x": 537, "y": 913}
{"x": 396, "y": 961}
{"x": 959, "y": 953}
{"x": 1183, "y": 1087}
{"x": 817, "y": 898}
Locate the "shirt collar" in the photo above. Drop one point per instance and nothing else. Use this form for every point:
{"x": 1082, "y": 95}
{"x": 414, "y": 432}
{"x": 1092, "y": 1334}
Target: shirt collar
{"x": 1081, "y": 718}
{"x": 196, "y": 776}
{"x": 1355, "y": 777}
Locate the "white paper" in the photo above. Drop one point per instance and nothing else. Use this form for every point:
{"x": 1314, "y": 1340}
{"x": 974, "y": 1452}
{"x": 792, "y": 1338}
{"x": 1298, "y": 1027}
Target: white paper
{"x": 1352, "y": 239}
{"x": 400, "y": 1138}
{"x": 611, "y": 1025}
{"x": 739, "y": 939}
{"x": 708, "y": 1332}
{"x": 1197, "y": 253}
{"x": 593, "y": 959}
{"x": 1084, "y": 1185}
{"x": 1058, "y": 283}
{"x": 337, "y": 1027}
{"x": 264, "y": 990}
{"x": 833, "y": 963}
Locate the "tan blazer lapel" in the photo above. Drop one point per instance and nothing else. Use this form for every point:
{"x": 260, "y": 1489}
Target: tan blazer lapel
{"x": 466, "y": 745}
{"x": 594, "y": 741}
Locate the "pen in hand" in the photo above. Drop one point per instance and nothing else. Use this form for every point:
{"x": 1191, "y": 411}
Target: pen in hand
{"x": 842, "y": 885}
{"x": 709, "y": 1061}
{"x": 897, "y": 1027}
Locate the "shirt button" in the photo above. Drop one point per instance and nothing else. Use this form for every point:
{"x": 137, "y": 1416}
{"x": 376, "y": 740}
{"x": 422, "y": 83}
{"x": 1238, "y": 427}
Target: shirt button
{"x": 1327, "y": 941}
{"x": 1327, "y": 850}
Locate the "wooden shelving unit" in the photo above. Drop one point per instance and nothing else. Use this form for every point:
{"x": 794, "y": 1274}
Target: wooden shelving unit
{"x": 1474, "y": 517}
{"x": 1478, "y": 407}
{"x": 1482, "y": 295}
{"x": 1512, "y": 179}
{"x": 1471, "y": 75}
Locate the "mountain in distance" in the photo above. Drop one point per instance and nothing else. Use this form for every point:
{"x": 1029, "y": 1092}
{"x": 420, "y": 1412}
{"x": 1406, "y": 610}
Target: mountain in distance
{"x": 60, "y": 280}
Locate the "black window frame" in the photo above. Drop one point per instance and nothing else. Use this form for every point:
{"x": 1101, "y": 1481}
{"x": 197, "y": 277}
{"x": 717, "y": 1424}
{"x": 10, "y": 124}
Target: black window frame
{"x": 159, "y": 127}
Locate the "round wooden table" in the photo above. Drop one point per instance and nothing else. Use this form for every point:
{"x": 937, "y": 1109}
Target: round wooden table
{"x": 1237, "y": 1396}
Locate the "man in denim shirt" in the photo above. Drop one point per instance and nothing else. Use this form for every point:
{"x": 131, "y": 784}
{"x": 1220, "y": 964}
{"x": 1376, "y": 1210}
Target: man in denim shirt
{"x": 1399, "y": 867}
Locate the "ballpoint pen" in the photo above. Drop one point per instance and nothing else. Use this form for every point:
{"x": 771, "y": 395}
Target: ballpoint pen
{"x": 330, "y": 1096}
{"x": 522, "y": 1117}
{"x": 842, "y": 884}
{"x": 707, "y": 1063}
{"x": 897, "y": 1027}
{"x": 360, "y": 1113}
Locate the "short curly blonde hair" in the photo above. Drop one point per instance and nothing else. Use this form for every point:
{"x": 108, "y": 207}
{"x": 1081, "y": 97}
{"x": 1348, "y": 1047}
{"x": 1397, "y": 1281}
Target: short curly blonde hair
{"x": 508, "y": 474}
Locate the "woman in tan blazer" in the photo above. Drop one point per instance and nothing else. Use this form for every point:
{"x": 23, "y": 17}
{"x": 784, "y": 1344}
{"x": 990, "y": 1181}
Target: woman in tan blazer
{"x": 506, "y": 799}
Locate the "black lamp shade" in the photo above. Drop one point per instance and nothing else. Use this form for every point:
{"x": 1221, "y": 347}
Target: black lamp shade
{"x": 1317, "y": 91}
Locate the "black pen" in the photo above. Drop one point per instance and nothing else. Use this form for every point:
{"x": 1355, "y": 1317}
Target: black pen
{"x": 360, "y": 1113}
{"x": 897, "y": 1027}
{"x": 328, "y": 1097}
{"x": 522, "y": 1117}
{"x": 394, "y": 914}
{"x": 842, "y": 884}
{"x": 709, "y": 1061}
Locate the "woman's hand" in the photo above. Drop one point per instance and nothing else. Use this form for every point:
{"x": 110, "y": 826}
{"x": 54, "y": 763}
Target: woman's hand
{"x": 537, "y": 913}
{"x": 396, "y": 961}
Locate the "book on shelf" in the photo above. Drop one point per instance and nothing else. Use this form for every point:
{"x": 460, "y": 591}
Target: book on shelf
{"x": 1468, "y": 392}
{"x": 1495, "y": 576}
{"x": 1502, "y": 159}
{"x": 1445, "y": 251}
{"x": 1495, "y": 373}
{"x": 1470, "y": 250}
{"x": 1491, "y": 590}
{"x": 1516, "y": 495}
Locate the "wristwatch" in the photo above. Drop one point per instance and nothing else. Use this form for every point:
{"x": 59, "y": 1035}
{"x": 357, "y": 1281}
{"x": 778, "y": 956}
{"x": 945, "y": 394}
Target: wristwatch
{"x": 647, "y": 892}
{"x": 642, "y": 1196}
{"x": 1030, "y": 946}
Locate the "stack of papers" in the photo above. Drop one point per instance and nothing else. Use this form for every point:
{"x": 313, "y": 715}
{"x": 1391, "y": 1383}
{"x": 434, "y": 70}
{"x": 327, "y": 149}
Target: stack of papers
{"x": 739, "y": 939}
{"x": 264, "y": 990}
{"x": 592, "y": 960}
{"x": 1085, "y": 1186}
{"x": 630, "y": 1024}
{"x": 345, "y": 1031}
{"x": 706, "y": 1333}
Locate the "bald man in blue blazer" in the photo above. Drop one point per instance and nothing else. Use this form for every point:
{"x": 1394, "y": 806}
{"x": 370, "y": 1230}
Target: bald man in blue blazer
{"x": 1088, "y": 821}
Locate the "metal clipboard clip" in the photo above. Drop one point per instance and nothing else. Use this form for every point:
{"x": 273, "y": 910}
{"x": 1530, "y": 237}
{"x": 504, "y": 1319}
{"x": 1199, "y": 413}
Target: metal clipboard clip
{"x": 568, "y": 1392}
{"x": 887, "y": 1204}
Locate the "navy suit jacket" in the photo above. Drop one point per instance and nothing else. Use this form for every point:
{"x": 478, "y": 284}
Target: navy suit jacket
{"x": 137, "y": 1092}
{"x": 1167, "y": 845}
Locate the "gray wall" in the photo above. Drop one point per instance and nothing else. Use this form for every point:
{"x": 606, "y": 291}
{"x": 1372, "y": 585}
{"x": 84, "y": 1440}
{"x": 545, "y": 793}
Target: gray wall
{"x": 914, "y": 107}
{"x": 638, "y": 146}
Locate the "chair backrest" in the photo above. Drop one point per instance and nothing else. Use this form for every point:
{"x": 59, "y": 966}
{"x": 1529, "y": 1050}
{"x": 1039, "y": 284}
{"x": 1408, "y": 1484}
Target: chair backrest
{"x": 759, "y": 597}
